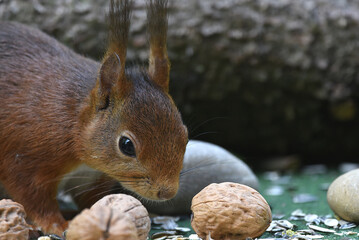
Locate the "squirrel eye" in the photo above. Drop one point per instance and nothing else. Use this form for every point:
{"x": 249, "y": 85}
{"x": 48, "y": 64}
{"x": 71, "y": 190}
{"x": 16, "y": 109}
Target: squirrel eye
{"x": 126, "y": 147}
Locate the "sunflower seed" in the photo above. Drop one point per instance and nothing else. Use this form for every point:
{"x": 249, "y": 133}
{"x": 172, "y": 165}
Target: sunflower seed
{"x": 285, "y": 223}
{"x": 308, "y": 237}
{"x": 44, "y": 238}
{"x": 193, "y": 237}
{"x": 331, "y": 222}
{"x": 273, "y": 227}
{"x": 346, "y": 225}
{"x": 159, "y": 238}
{"x": 310, "y": 217}
{"x": 166, "y": 222}
{"x": 55, "y": 237}
{"x": 351, "y": 233}
{"x": 176, "y": 237}
{"x": 298, "y": 213}
{"x": 163, "y": 235}
{"x": 321, "y": 229}
{"x": 316, "y": 236}
{"x": 182, "y": 229}
{"x": 306, "y": 231}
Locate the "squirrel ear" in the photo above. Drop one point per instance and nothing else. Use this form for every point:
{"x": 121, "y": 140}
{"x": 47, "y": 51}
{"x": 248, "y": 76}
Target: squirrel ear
{"x": 110, "y": 73}
{"x": 111, "y": 80}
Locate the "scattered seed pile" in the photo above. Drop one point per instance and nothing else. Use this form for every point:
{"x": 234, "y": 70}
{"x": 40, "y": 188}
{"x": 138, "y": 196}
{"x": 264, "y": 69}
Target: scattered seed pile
{"x": 288, "y": 230}
{"x": 299, "y": 206}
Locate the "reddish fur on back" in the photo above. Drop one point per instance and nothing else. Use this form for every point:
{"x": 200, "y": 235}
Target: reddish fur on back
{"x": 42, "y": 88}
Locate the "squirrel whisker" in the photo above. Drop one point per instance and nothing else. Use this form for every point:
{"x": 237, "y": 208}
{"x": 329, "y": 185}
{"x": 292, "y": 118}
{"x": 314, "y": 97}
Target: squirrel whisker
{"x": 190, "y": 170}
{"x": 84, "y": 185}
{"x": 204, "y": 133}
{"x": 193, "y": 129}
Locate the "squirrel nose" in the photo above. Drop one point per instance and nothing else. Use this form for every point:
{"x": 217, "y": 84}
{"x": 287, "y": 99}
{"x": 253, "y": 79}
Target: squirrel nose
{"x": 166, "y": 193}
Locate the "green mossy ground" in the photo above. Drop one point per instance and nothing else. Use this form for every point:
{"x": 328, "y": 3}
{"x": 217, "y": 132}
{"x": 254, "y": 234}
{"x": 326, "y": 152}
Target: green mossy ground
{"x": 283, "y": 204}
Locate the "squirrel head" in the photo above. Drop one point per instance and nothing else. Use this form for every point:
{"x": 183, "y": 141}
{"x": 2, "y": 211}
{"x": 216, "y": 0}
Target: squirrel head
{"x": 132, "y": 129}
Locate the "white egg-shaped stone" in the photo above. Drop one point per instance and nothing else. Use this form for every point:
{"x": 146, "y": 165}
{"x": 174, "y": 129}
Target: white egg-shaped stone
{"x": 343, "y": 196}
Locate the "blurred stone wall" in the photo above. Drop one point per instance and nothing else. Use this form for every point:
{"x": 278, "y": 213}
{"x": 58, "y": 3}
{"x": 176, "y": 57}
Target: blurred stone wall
{"x": 259, "y": 77}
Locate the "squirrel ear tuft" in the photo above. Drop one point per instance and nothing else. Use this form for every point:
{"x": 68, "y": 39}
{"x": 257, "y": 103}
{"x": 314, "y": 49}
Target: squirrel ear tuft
{"x": 157, "y": 23}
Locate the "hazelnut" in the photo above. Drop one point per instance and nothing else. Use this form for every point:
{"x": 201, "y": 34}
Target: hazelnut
{"x": 229, "y": 211}
{"x": 12, "y": 221}
{"x": 130, "y": 205}
{"x": 102, "y": 224}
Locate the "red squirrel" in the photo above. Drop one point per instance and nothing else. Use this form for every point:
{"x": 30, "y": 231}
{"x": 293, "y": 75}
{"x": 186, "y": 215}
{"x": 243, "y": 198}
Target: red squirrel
{"x": 59, "y": 109}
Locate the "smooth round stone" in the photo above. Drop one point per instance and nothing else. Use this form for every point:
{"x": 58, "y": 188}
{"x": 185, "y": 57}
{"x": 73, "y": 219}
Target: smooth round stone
{"x": 204, "y": 163}
{"x": 343, "y": 196}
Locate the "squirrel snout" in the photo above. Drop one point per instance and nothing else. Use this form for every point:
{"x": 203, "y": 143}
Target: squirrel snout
{"x": 166, "y": 193}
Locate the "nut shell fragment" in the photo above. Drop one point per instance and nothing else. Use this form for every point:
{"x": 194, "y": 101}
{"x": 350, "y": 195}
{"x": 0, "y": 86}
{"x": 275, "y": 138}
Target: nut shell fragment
{"x": 102, "y": 224}
{"x": 131, "y": 206}
{"x": 12, "y": 221}
{"x": 229, "y": 211}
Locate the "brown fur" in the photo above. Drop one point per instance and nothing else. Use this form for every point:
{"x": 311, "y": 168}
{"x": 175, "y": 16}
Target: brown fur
{"x": 57, "y": 112}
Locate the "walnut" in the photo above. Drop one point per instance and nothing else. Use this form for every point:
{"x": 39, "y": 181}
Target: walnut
{"x": 12, "y": 221}
{"x": 130, "y": 205}
{"x": 102, "y": 224}
{"x": 229, "y": 211}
